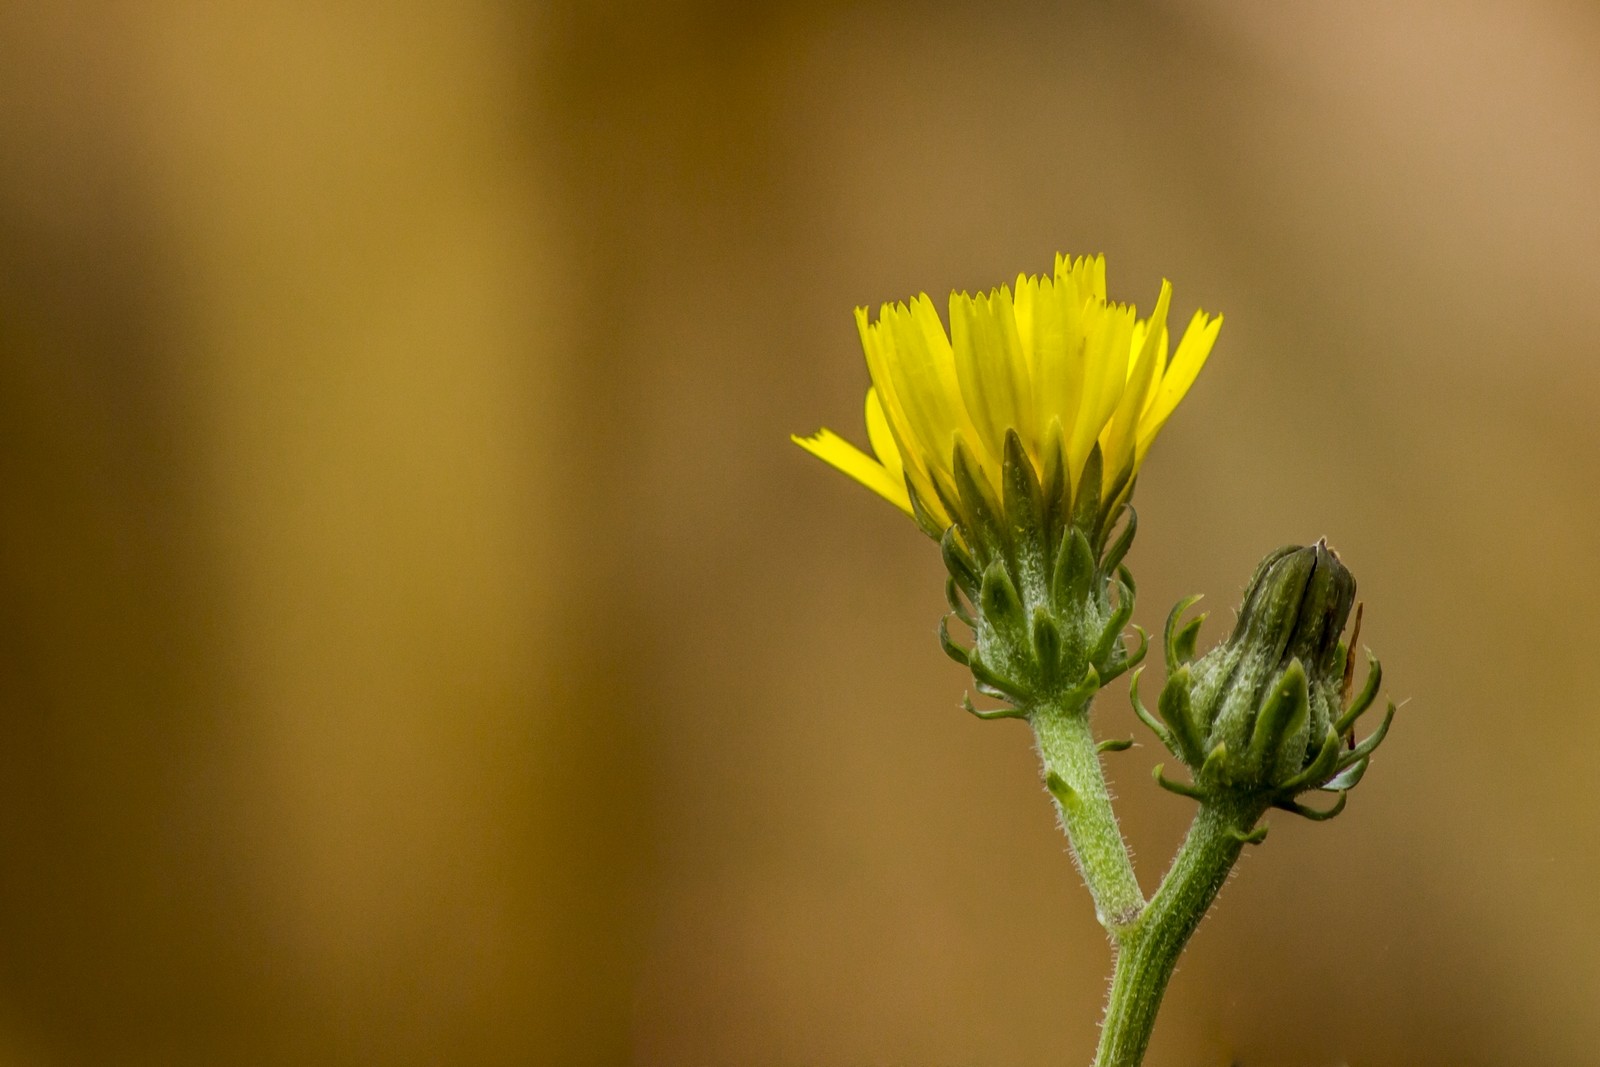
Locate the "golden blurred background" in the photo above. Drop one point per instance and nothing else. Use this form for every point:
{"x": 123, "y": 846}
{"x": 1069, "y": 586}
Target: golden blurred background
{"x": 422, "y": 645}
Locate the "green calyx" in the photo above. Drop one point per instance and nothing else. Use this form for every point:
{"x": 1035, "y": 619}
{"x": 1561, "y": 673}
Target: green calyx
{"x": 1267, "y": 715}
{"x": 1037, "y": 578}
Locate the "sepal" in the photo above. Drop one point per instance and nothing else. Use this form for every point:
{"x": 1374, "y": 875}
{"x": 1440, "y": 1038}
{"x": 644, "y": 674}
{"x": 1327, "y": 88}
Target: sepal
{"x": 1046, "y": 646}
{"x": 963, "y": 570}
{"x": 1113, "y": 627}
{"x": 1215, "y": 768}
{"x": 991, "y": 713}
{"x": 978, "y": 508}
{"x": 1314, "y": 814}
{"x": 1365, "y": 698}
{"x": 925, "y": 520}
{"x": 1001, "y": 604}
{"x": 1348, "y": 778}
{"x": 1073, "y": 577}
{"x": 960, "y": 606}
{"x": 1370, "y": 745}
{"x": 1022, "y": 500}
{"x": 1284, "y": 713}
{"x": 991, "y": 684}
{"x": 1318, "y": 770}
{"x": 1119, "y": 547}
{"x": 1053, "y": 483}
{"x": 1086, "y": 495}
{"x": 1178, "y": 642}
{"x": 1121, "y": 660}
{"x": 1183, "y": 790}
{"x": 1177, "y": 709}
{"x": 1156, "y": 726}
{"x": 956, "y": 652}
{"x": 1078, "y": 696}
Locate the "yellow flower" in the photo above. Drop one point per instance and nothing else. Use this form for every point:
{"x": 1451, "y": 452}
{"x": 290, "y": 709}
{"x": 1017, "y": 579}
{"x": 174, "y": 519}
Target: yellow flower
{"x": 1083, "y": 383}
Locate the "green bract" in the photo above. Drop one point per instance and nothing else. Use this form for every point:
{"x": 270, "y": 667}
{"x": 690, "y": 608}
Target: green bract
{"x": 1041, "y": 586}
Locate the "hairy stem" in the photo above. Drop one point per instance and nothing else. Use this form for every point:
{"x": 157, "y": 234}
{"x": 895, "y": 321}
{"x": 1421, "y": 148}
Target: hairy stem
{"x": 1072, "y": 771}
{"x": 1148, "y": 949}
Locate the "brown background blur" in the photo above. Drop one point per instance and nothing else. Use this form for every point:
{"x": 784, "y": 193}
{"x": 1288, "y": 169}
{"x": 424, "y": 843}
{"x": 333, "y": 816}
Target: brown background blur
{"x": 419, "y": 643}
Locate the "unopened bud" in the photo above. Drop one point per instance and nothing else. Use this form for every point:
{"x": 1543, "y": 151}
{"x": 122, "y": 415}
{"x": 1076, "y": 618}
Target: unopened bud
{"x": 1263, "y": 713}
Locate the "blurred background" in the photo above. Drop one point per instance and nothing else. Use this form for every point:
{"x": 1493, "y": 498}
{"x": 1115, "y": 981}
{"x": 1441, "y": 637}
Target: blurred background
{"x": 420, "y": 643}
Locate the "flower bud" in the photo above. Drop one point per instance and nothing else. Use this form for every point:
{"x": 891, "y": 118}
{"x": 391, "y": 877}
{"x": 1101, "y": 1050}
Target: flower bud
{"x": 1295, "y": 608}
{"x": 1263, "y": 713}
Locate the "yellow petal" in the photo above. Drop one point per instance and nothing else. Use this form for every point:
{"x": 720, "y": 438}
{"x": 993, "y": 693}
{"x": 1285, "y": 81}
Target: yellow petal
{"x": 990, "y": 370}
{"x": 1088, "y": 274}
{"x": 922, "y": 378}
{"x": 1122, "y": 433}
{"x": 1191, "y": 355}
{"x": 878, "y": 367}
{"x": 1022, "y": 301}
{"x": 1097, "y": 277}
{"x": 922, "y": 310}
{"x": 1057, "y": 354}
{"x": 1105, "y": 359}
{"x": 837, "y": 452}
{"x": 881, "y": 436}
{"x": 1161, "y": 372}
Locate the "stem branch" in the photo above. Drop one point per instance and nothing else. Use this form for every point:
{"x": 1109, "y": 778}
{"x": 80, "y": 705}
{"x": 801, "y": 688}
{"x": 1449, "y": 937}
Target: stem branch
{"x": 1148, "y": 949}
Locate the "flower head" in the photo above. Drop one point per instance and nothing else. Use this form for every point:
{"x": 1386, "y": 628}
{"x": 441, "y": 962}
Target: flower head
{"x": 1014, "y": 439}
{"x": 1082, "y": 384}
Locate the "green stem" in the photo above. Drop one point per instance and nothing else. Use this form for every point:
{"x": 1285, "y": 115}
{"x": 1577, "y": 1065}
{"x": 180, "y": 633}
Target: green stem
{"x": 1072, "y": 770}
{"x": 1148, "y": 949}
